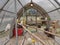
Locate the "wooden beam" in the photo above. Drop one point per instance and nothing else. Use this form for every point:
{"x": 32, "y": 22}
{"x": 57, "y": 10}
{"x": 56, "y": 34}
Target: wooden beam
{"x": 52, "y": 33}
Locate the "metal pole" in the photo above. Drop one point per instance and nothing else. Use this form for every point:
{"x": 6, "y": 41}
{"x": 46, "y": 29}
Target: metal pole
{"x": 20, "y": 3}
{"x": 23, "y": 16}
{"x": 26, "y": 17}
{"x": 8, "y": 11}
{"x": 54, "y": 5}
{"x": 4, "y": 5}
{"x": 2, "y": 19}
{"x": 16, "y": 23}
{"x": 36, "y": 22}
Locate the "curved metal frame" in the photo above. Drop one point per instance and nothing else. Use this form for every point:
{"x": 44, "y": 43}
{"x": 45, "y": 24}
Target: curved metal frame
{"x": 37, "y": 7}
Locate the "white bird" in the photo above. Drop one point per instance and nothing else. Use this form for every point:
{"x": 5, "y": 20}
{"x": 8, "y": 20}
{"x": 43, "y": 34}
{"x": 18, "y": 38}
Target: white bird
{"x": 29, "y": 41}
{"x": 8, "y": 27}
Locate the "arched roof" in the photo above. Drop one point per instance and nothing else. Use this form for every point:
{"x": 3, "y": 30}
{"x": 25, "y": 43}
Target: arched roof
{"x": 47, "y": 5}
{"x": 35, "y": 6}
{"x": 50, "y": 7}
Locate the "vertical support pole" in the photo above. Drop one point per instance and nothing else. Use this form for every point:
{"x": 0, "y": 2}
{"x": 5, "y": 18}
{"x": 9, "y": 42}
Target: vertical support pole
{"x": 23, "y": 16}
{"x": 26, "y": 18}
{"x": 2, "y": 18}
{"x": 16, "y": 23}
{"x": 36, "y": 22}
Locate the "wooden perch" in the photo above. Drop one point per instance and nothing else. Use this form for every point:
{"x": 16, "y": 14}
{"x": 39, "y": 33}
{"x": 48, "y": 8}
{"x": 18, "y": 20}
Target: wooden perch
{"x": 35, "y": 36}
{"x": 52, "y": 33}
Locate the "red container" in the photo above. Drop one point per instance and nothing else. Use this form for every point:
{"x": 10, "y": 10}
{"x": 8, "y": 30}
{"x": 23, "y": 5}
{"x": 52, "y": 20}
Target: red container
{"x": 20, "y": 32}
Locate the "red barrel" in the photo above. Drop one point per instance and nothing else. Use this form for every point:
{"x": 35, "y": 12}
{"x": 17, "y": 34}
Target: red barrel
{"x": 20, "y": 32}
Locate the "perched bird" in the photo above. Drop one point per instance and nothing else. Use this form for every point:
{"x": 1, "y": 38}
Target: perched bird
{"x": 29, "y": 41}
{"x": 8, "y": 27}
